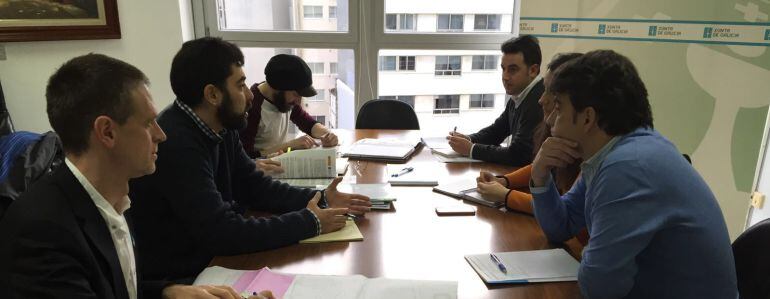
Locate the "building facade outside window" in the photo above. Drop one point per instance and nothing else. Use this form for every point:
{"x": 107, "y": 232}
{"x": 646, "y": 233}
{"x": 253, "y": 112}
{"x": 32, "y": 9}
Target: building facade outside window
{"x": 405, "y": 63}
{"x": 317, "y": 68}
{"x": 332, "y": 12}
{"x": 332, "y": 68}
{"x": 318, "y": 97}
{"x": 403, "y": 22}
{"x": 313, "y": 11}
{"x": 448, "y": 65}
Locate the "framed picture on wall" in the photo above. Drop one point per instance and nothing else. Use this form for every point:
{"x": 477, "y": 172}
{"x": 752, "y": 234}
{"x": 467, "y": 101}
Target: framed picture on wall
{"x": 38, "y": 20}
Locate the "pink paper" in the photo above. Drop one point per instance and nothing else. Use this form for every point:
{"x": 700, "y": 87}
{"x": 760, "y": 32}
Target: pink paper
{"x": 264, "y": 279}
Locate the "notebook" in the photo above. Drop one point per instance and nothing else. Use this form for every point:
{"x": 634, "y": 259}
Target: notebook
{"x": 466, "y": 189}
{"x": 525, "y": 266}
{"x": 312, "y": 163}
{"x": 420, "y": 175}
{"x": 348, "y": 233}
{"x": 389, "y": 150}
{"x": 381, "y": 195}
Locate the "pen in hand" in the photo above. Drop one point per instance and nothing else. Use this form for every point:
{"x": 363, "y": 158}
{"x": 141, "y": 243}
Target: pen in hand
{"x": 498, "y": 262}
{"x": 402, "y": 172}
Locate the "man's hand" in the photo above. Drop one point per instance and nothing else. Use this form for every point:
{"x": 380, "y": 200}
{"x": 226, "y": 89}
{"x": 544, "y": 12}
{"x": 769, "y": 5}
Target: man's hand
{"x": 200, "y": 292}
{"x": 357, "y": 203}
{"x": 460, "y": 143}
{"x": 555, "y": 152}
{"x": 492, "y": 190}
{"x": 263, "y": 295}
{"x": 488, "y": 177}
{"x": 329, "y": 139}
{"x": 269, "y": 167}
{"x": 301, "y": 142}
{"x": 332, "y": 219}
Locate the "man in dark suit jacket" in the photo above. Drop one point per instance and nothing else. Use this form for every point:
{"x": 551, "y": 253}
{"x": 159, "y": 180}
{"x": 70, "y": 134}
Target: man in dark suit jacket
{"x": 66, "y": 237}
{"x": 521, "y": 79}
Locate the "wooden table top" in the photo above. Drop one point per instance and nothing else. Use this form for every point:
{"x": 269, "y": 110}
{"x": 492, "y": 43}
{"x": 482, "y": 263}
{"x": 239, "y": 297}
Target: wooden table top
{"x": 410, "y": 241}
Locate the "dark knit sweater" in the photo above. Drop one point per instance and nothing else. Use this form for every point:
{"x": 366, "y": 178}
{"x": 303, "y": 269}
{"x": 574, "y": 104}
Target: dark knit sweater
{"x": 190, "y": 209}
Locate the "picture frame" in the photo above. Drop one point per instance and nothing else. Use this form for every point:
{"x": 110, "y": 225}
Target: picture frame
{"x": 46, "y": 20}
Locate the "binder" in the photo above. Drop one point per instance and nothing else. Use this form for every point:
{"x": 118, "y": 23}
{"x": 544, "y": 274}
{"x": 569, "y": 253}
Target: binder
{"x": 385, "y": 150}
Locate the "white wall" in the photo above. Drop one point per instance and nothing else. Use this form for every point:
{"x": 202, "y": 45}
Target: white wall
{"x": 151, "y": 35}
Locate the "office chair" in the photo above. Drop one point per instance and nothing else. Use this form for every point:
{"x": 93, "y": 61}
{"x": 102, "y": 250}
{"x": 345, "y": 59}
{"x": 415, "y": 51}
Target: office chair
{"x": 752, "y": 261}
{"x": 387, "y": 114}
{"x": 6, "y": 125}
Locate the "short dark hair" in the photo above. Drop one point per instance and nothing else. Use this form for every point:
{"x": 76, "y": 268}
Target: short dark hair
{"x": 527, "y": 45}
{"x": 85, "y": 88}
{"x": 201, "y": 62}
{"x": 561, "y": 58}
{"x": 608, "y": 82}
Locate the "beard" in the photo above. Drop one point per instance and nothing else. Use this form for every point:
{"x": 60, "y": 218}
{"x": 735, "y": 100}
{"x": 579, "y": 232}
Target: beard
{"x": 279, "y": 101}
{"x": 231, "y": 119}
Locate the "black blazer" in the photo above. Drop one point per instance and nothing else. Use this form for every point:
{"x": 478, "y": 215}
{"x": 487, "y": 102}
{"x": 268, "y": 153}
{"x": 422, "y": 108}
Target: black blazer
{"x": 55, "y": 244}
{"x": 519, "y": 123}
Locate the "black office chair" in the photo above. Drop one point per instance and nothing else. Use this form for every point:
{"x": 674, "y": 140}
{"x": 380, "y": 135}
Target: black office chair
{"x": 752, "y": 261}
{"x": 387, "y": 114}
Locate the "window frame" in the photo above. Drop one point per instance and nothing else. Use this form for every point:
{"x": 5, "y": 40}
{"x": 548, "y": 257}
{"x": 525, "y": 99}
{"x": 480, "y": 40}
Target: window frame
{"x": 400, "y": 20}
{"x": 330, "y": 11}
{"x": 451, "y": 110}
{"x": 484, "y": 66}
{"x": 304, "y": 12}
{"x": 499, "y": 22}
{"x": 449, "y": 23}
{"x": 449, "y": 71}
{"x": 482, "y": 101}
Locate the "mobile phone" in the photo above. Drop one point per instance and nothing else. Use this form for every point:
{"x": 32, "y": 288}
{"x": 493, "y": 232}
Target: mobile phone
{"x": 456, "y": 210}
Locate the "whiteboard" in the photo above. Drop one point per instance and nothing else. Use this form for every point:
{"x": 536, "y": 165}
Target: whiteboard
{"x": 761, "y": 181}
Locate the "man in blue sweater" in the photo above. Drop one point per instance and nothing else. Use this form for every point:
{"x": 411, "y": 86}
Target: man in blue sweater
{"x": 656, "y": 230}
{"x": 192, "y": 208}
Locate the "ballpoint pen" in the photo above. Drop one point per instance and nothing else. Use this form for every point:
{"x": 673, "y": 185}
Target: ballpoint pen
{"x": 351, "y": 216}
{"x": 455, "y": 130}
{"x": 498, "y": 262}
{"x": 402, "y": 172}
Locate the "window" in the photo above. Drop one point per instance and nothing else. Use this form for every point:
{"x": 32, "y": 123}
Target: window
{"x": 450, "y": 23}
{"x": 484, "y": 62}
{"x": 388, "y": 63}
{"x": 486, "y": 22}
{"x": 406, "y": 63}
{"x": 482, "y": 101}
{"x": 446, "y": 104}
{"x": 283, "y": 16}
{"x": 406, "y": 99}
{"x": 332, "y": 12}
{"x": 448, "y": 65}
{"x": 317, "y": 68}
{"x": 320, "y": 96}
{"x": 313, "y": 11}
{"x": 399, "y": 22}
{"x": 320, "y": 118}
{"x": 333, "y": 68}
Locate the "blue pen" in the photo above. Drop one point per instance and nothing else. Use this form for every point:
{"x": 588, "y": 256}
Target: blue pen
{"x": 498, "y": 262}
{"x": 402, "y": 172}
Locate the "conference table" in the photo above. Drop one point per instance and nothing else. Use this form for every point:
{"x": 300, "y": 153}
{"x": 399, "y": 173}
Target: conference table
{"x": 410, "y": 241}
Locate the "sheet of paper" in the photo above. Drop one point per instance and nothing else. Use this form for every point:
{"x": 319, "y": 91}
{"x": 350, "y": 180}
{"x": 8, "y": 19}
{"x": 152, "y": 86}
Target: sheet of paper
{"x": 246, "y": 281}
{"x": 383, "y": 288}
{"x": 310, "y": 163}
{"x": 420, "y": 175}
{"x": 325, "y": 286}
{"x": 348, "y": 233}
{"x": 535, "y": 265}
{"x": 376, "y": 192}
{"x": 436, "y": 142}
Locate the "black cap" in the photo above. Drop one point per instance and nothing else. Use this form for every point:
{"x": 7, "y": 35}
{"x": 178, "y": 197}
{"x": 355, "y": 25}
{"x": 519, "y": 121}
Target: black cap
{"x": 289, "y": 72}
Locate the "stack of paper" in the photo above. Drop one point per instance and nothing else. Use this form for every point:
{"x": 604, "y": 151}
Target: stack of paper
{"x": 381, "y": 195}
{"x": 419, "y": 175}
{"x": 291, "y": 286}
{"x": 348, "y": 233}
{"x": 440, "y": 148}
{"x": 396, "y": 150}
{"x": 525, "y": 266}
{"x": 466, "y": 189}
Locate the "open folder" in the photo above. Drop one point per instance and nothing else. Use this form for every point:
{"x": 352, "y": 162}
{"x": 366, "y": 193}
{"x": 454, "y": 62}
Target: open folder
{"x": 348, "y": 233}
{"x": 525, "y": 266}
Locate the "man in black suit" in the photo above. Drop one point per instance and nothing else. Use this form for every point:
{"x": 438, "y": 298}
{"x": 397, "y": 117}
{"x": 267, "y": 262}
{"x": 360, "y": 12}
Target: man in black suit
{"x": 521, "y": 79}
{"x": 67, "y": 236}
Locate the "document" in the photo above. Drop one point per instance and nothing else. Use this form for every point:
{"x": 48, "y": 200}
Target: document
{"x": 348, "y": 233}
{"x": 300, "y": 286}
{"x": 389, "y": 149}
{"x": 466, "y": 189}
{"x": 439, "y": 147}
{"x": 310, "y": 163}
{"x": 380, "y": 195}
{"x": 419, "y": 175}
{"x": 525, "y": 266}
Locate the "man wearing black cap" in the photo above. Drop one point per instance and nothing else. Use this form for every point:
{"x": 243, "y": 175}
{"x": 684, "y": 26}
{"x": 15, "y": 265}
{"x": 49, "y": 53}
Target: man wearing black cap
{"x": 276, "y": 102}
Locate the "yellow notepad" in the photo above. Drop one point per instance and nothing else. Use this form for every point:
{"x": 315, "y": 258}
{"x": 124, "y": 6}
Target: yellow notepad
{"x": 348, "y": 233}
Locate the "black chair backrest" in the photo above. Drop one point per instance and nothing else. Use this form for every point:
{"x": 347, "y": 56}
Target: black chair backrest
{"x": 387, "y": 114}
{"x": 752, "y": 261}
{"x": 6, "y": 125}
